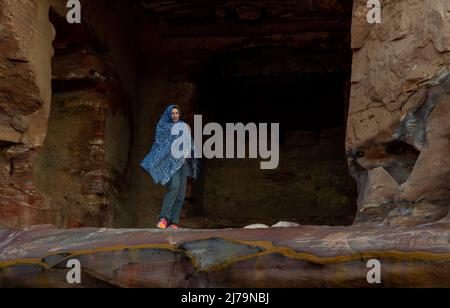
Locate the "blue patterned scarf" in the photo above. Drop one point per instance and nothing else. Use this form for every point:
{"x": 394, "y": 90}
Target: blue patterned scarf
{"x": 160, "y": 163}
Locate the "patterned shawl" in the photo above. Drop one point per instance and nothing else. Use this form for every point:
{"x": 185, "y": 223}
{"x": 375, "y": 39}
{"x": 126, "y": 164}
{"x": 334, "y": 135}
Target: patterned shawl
{"x": 160, "y": 163}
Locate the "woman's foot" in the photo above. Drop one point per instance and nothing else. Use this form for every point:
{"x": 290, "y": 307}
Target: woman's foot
{"x": 174, "y": 226}
{"x": 163, "y": 224}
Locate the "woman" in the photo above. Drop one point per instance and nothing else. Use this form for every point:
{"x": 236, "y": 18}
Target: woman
{"x": 167, "y": 170}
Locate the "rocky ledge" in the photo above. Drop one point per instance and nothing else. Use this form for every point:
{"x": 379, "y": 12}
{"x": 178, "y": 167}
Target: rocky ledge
{"x": 305, "y": 256}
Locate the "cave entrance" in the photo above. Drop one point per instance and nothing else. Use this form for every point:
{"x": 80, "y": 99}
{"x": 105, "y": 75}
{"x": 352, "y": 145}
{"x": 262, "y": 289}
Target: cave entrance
{"x": 312, "y": 184}
{"x": 261, "y": 61}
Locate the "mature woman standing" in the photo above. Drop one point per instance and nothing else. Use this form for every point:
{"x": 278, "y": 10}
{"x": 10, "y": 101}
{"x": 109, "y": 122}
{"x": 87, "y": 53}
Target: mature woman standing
{"x": 167, "y": 170}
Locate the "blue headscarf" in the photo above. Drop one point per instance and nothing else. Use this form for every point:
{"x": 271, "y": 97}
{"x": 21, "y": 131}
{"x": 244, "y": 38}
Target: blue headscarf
{"x": 160, "y": 162}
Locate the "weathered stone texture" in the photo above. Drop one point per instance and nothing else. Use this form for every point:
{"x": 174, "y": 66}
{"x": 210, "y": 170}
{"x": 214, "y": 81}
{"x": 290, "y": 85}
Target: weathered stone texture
{"x": 25, "y": 96}
{"x": 398, "y": 128}
{"x": 280, "y": 257}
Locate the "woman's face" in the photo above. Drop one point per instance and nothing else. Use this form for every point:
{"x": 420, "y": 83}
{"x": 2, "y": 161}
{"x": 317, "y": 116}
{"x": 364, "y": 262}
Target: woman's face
{"x": 175, "y": 115}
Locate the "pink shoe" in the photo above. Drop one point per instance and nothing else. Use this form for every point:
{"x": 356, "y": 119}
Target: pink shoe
{"x": 163, "y": 224}
{"x": 174, "y": 226}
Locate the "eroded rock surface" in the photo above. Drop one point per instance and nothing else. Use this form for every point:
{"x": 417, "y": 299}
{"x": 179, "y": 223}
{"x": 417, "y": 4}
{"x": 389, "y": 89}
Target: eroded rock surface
{"x": 25, "y": 96}
{"x": 280, "y": 257}
{"x": 398, "y": 127}
{"x": 64, "y": 131}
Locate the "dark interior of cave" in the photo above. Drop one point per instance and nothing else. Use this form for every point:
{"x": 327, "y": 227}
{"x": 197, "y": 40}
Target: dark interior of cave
{"x": 103, "y": 112}
{"x": 255, "y": 86}
{"x": 296, "y": 101}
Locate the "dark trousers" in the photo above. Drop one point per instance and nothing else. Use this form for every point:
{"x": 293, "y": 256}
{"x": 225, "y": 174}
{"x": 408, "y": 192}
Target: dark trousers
{"x": 174, "y": 197}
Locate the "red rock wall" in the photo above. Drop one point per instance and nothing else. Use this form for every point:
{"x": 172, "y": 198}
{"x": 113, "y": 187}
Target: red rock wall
{"x": 25, "y": 95}
{"x": 59, "y": 165}
{"x": 398, "y": 128}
